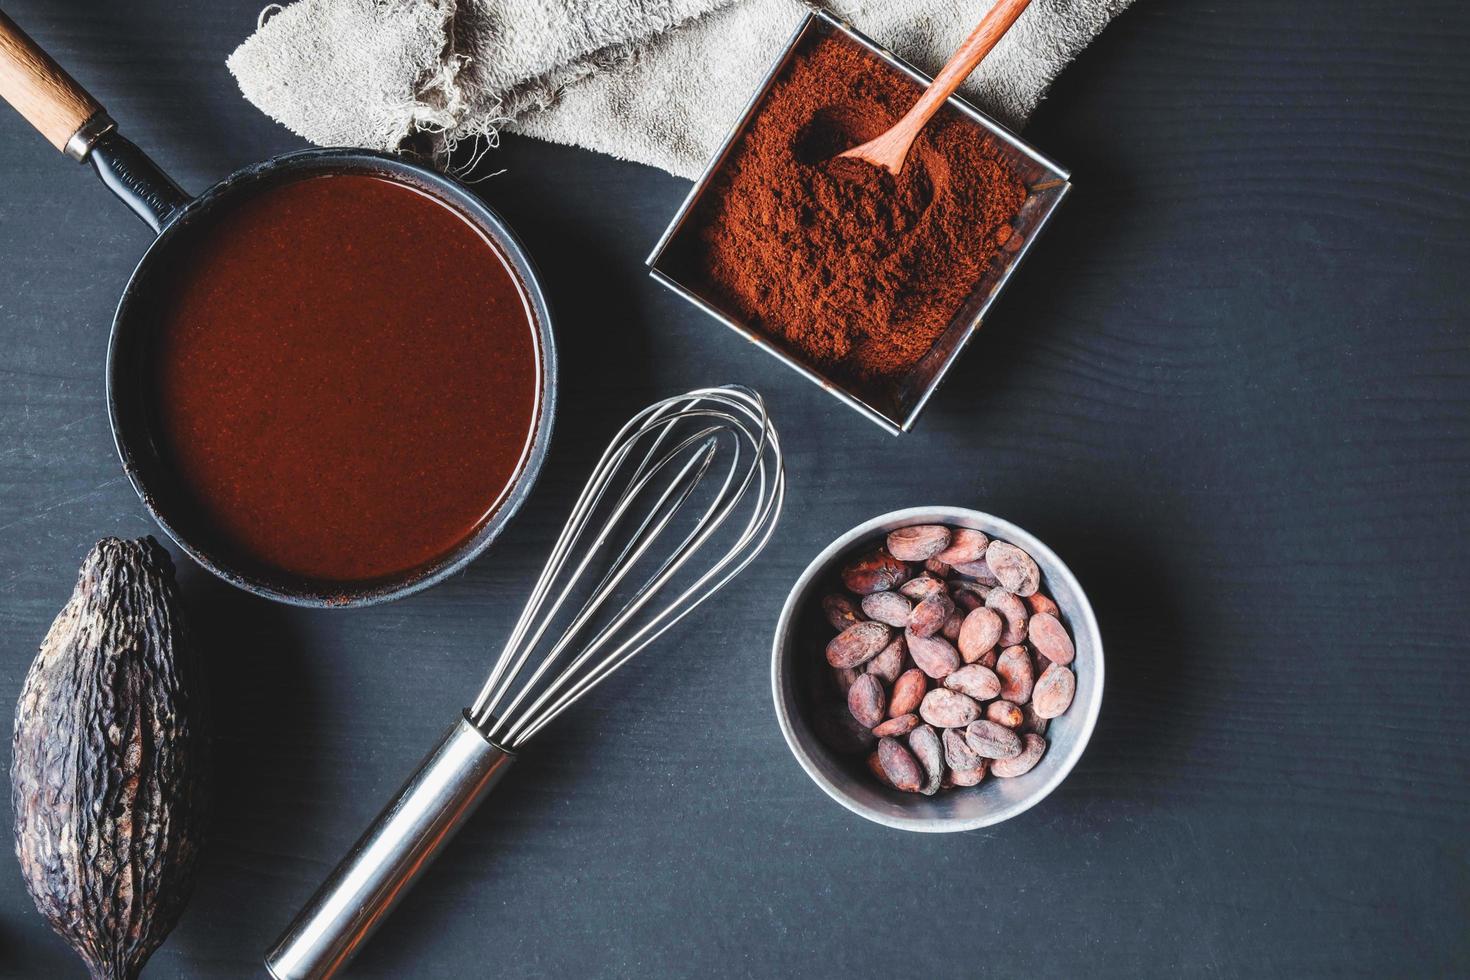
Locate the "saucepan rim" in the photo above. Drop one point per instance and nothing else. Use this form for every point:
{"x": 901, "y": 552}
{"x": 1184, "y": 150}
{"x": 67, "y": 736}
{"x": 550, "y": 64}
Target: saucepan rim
{"x": 122, "y": 376}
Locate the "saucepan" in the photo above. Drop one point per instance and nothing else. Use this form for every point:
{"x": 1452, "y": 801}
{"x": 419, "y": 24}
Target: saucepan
{"x": 76, "y": 124}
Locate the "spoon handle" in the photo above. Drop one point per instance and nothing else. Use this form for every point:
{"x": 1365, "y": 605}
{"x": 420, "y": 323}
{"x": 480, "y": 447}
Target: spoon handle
{"x": 984, "y": 37}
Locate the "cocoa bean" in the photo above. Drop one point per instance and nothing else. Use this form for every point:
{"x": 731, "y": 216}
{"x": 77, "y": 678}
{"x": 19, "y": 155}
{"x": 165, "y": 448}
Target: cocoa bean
{"x": 966, "y": 545}
{"x": 918, "y": 543}
{"x": 934, "y": 654}
{"x": 1049, "y": 637}
{"x": 967, "y": 600}
{"x": 957, "y": 751}
{"x": 894, "y": 727}
{"x": 1014, "y": 569}
{"x": 1040, "y": 602}
{"x": 952, "y": 626}
{"x": 888, "y": 664}
{"x": 991, "y": 740}
{"x": 974, "y": 681}
{"x": 928, "y": 616}
{"x": 866, "y": 700}
{"x": 944, "y": 708}
{"x": 1033, "y": 748}
{"x": 990, "y": 658}
{"x": 1004, "y": 713}
{"x": 1013, "y": 611}
{"x": 969, "y": 777}
{"x": 1032, "y": 722}
{"x": 877, "y": 768}
{"x": 840, "y": 611}
{"x": 980, "y": 632}
{"x": 1016, "y": 676}
{"x": 839, "y": 731}
{"x": 899, "y": 766}
{"x": 858, "y": 644}
{"x": 888, "y": 607}
{"x": 924, "y": 744}
{"x": 876, "y": 571}
{"x": 908, "y": 692}
{"x": 845, "y": 677}
{"x": 976, "y": 571}
{"x": 1054, "y": 691}
{"x": 937, "y": 568}
{"x": 921, "y": 587}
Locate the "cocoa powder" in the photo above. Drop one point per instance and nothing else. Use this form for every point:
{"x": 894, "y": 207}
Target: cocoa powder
{"x": 856, "y": 271}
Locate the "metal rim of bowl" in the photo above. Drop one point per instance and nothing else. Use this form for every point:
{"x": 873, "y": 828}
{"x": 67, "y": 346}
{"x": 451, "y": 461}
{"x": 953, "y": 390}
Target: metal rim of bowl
{"x": 303, "y": 164}
{"x": 1053, "y": 769}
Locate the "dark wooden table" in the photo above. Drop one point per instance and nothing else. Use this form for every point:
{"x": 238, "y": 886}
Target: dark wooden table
{"x": 1232, "y": 389}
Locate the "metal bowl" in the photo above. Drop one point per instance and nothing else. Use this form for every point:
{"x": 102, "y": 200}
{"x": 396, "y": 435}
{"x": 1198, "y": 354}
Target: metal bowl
{"x": 796, "y": 662}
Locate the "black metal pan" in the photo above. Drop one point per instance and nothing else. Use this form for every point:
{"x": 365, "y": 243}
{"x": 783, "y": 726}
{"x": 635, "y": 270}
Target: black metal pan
{"x": 76, "y": 124}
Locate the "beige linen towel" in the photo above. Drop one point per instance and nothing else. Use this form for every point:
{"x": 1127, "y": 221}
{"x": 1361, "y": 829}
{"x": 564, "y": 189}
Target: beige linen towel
{"x": 656, "y": 81}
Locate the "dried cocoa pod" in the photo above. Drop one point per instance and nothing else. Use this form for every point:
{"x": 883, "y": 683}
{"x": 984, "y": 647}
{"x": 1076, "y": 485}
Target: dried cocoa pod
{"x": 974, "y": 681}
{"x": 1032, "y": 749}
{"x": 944, "y": 708}
{"x": 928, "y": 616}
{"x": 877, "y": 768}
{"x": 969, "y": 777}
{"x": 840, "y": 611}
{"x": 1005, "y": 713}
{"x": 877, "y": 571}
{"x": 977, "y": 572}
{"x": 1013, "y": 667}
{"x": 888, "y": 664}
{"x": 899, "y": 766}
{"x": 924, "y": 744}
{"x": 1031, "y": 722}
{"x": 894, "y": 727}
{"x": 951, "y": 628}
{"x": 1046, "y": 633}
{"x": 992, "y": 741}
{"x": 921, "y": 587}
{"x": 957, "y": 752}
{"x": 1040, "y": 602}
{"x": 908, "y": 692}
{"x": 980, "y": 632}
{"x": 1015, "y": 569}
{"x": 1054, "y": 691}
{"x": 937, "y": 568}
{"x": 966, "y": 545}
{"x": 866, "y": 701}
{"x": 858, "y": 644}
{"x": 1013, "y": 611}
{"x": 919, "y": 542}
{"x": 108, "y": 762}
{"x": 934, "y": 655}
{"x": 888, "y": 607}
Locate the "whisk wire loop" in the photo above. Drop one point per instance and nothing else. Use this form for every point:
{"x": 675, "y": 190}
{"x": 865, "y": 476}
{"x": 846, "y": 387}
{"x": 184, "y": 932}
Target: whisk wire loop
{"x": 687, "y": 435}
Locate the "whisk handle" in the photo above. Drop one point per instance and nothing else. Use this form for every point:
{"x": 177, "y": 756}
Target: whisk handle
{"x": 382, "y": 865}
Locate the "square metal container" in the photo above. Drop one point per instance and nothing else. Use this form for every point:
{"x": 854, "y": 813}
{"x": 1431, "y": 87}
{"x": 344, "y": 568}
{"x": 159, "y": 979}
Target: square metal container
{"x": 897, "y": 408}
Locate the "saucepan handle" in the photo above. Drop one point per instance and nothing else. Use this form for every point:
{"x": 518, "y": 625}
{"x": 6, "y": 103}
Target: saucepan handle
{"x": 48, "y": 98}
{"x": 77, "y": 125}
{"x": 358, "y": 895}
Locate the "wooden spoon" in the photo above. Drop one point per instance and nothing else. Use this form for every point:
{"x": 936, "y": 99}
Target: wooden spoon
{"x": 891, "y": 149}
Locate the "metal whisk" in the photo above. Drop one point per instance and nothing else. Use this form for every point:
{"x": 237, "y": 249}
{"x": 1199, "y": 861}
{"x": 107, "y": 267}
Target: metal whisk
{"x": 685, "y": 496}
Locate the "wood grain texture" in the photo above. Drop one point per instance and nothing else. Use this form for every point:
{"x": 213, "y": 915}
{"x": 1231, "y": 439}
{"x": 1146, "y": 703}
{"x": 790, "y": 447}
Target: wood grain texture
{"x": 1231, "y": 388}
{"x": 40, "y": 89}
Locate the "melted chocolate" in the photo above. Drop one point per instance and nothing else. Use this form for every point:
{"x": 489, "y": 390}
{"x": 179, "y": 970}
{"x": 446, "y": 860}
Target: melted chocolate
{"x": 346, "y": 379}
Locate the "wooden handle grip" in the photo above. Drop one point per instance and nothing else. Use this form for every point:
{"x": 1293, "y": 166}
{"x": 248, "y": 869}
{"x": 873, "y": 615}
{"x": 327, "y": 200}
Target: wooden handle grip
{"x": 39, "y": 88}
